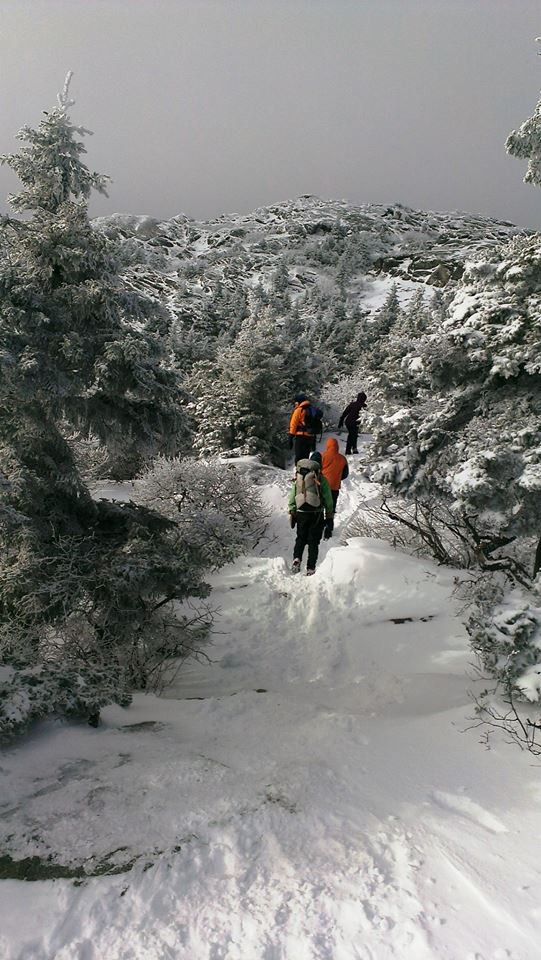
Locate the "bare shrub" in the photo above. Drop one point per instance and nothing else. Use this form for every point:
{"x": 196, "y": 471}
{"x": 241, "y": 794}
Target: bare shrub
{"x": 431, "y": 528}
{"x": 422, "y": 529}
{"x": 213, "y": 505}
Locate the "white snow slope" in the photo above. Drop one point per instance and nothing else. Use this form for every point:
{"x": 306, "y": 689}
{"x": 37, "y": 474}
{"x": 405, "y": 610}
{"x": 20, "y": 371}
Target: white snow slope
{"x": 309, "y": 795}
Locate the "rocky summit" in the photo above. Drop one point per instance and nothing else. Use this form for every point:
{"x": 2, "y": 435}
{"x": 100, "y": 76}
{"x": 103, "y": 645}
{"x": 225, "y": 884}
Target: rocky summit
{"x": 184, "y": 262}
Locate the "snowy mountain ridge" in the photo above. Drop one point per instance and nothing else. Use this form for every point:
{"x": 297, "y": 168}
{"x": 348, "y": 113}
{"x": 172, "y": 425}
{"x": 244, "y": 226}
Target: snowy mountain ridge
{"x": 431, "y": 247}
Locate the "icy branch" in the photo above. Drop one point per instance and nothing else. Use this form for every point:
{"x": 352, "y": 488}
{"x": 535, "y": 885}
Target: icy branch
{"x": 64, "y": 101}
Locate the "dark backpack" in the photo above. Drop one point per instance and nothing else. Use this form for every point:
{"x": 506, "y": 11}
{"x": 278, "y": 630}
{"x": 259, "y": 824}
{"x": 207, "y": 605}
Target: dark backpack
{"x": 313, "y": 420}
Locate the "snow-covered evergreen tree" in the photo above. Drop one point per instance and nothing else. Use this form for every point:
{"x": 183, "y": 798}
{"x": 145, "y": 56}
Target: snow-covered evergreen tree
{"x": 354, "y": 259}
{"x": 505, "y": 631}
{"x": 78, "y": 579}
{"x": 91, "y": 348}
{"x": 280, "y": 280}
{"x": 375, "y": 335}
{"x": 525, "y": 143}
{"x": 416, "y": 315}
{"x": 50, "y": 167}
{"x": 471, "y": 433}
{"x": 388, "y": 314}
{"x": 239, "y": 397}
{"x": 305, "y": 369}
{"x": 334, "y": 335}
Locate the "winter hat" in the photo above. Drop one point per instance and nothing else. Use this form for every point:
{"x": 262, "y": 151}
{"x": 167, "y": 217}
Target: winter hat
{"x": 315, "y": 457}
{"x": 300, "y": 398}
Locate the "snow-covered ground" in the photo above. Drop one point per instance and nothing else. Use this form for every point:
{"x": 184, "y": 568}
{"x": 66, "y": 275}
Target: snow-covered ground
{"x": 310, "y": 794}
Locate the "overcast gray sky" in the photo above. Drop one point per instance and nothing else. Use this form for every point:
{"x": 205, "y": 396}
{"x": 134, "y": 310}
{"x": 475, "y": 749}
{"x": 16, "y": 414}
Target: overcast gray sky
{"x": 213, "y": 106}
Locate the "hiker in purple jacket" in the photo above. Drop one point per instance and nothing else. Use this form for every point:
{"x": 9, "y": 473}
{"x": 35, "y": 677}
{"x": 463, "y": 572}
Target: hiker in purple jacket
{"x": 350, "y": 418}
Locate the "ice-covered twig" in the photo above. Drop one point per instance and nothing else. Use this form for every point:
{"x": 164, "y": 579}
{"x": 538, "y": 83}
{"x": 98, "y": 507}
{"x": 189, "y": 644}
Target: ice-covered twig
{"x": 64, "y": 101}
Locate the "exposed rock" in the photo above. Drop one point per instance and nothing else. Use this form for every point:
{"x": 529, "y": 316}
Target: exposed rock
{"x": 182, "y": 261}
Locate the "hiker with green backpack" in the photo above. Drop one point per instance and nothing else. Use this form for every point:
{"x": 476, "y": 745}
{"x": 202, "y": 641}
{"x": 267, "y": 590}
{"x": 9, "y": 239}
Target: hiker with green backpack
{"x": 310, "y": 506}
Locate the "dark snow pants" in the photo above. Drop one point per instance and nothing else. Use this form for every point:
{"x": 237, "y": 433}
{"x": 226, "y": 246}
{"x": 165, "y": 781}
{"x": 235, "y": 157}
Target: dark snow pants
{"x": 334, "y": 495}
{"x": 309, "y": 532}
{"x": 303, "y": 447}
{"x": 353, "y": 435}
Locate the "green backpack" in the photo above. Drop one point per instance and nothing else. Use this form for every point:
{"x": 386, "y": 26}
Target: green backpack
{"x": 307, "y": 485}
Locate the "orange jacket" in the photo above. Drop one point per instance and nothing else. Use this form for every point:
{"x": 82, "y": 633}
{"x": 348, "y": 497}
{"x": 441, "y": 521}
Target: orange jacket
{"x": 296, "y": 424}
{"x": 334, "y": 465}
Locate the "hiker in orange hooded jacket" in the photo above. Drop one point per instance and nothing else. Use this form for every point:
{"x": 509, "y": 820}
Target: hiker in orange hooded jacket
{"x": 334, "y": 467}
{"x": 300, "y": 437}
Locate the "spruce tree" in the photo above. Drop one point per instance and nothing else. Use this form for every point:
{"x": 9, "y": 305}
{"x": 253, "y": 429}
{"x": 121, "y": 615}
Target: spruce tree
{"x": 79, "y": 580}
{"x": 376, "y": 335}
{"x": 71, "y": 333}
{"x": 305, "y": 369}
{"x": 416, "y": 316}
{"x": 470, "y": 438}
{"x": 388, "y": 314}
{"x": 239, "y": 403}
{"x": 525, "y": 143}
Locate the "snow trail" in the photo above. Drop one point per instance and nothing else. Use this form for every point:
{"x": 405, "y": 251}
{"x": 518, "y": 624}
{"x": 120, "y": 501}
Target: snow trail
{"x": 308, "y": 795}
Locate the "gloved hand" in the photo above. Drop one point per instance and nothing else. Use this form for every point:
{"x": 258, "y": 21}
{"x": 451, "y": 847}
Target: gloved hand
{"x": 291, "y": 441}
{"x": 329, "y": 527}
{"x": 292, "y": 520}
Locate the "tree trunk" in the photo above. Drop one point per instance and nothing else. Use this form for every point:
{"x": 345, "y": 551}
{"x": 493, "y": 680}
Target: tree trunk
{"x": 537, "y": 561}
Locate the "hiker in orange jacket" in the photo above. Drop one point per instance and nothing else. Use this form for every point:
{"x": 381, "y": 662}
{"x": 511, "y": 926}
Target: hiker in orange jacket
{"x": 334, "y": 467}
{"x": 299, "y": 436}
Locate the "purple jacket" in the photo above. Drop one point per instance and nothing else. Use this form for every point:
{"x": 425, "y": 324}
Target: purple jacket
{"x": 350, "y": 415}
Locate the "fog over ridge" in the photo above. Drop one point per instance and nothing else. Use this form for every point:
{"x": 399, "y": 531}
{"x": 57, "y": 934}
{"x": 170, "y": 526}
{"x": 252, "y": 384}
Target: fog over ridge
{"x": 205, "y": 107}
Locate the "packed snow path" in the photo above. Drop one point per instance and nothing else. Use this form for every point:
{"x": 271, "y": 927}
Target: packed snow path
{"x": 309, "y": 795}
